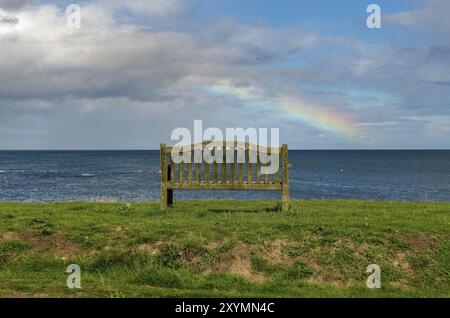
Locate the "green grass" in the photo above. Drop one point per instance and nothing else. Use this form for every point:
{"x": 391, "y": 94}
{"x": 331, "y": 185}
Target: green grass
{"x": 225, "y": 249}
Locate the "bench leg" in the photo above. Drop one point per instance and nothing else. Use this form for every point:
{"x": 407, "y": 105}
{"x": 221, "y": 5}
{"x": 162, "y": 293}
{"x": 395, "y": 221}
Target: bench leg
{"x": 170, "y": 197}
{"x": 166, "y": 194}
{"x": 166, "y": 197}
{"x": 285, "y": 199}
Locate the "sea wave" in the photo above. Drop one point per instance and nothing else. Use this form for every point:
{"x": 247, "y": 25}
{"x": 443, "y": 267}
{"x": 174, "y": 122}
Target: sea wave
{"x": 87, "y": 175}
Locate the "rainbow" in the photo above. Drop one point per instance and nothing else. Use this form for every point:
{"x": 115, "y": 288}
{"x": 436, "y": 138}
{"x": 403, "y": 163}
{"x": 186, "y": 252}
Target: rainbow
{"x": 316, "y": 116}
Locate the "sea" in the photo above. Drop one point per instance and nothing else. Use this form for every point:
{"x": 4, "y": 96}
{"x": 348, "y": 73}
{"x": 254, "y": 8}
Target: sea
{"x": 134, "y": 176}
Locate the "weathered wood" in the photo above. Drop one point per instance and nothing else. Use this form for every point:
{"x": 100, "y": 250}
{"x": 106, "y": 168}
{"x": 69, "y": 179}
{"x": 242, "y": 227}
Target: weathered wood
{"x": 232, "y": 165}
{"x": 241, "y": 164}
{"x": 189, "y": 172}
{"x": 249, "y": 166}
{"x": 220, "y": 186}
{"x": 198, "y": 172}
{"x": 206, "y": 170}
{"x": 216, "y": 172}
{"x": 181, "y": 171}
{"x": 243, "y": 153}
{"x": 224, "y": 163}
{"x": 172, "y": 168}
{"x": 277, "y": 171}
{"x": 198, "y": 166}
{"x": 267, "y": 169}
{"x": 163, "y": 169}
{"x": 285, "y": 181}
{"x": 258, "y": 168}
{"x": 237, "y": 144}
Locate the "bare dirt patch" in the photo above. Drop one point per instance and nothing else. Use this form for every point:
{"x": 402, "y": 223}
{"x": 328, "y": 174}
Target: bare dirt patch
{"x": 399, "y": 260}
{"x": 419, "y": 242}
{"x": 401, "y": 284}
{"x": 55, "y": 244}
{"x": 274, "y": 251}
{"x": 237, "y": 261}
{"x": 321, "y": 280}
{"x": 9, "y": 236}
{"x": 153, "y": 248}
{"x": 64, "y": 248}
{"x": 349, "y": 243}
{"x": 213, "y": 245}
{"x": 276, "y": 254}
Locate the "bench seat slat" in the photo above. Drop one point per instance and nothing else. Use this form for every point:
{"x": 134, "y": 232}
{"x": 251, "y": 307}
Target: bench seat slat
{"x": 220, "y": 186}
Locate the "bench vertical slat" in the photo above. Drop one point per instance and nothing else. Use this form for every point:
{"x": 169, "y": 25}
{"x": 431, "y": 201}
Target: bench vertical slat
{"x": 181, "y": 172}
{"x": 232, "y": 165}
{"x": 216, "y": 169}
{"x": 285, "y": 177}
{"x": 224, "y": 163}
{"x": 277, "y": 170}
{"x": 189, "y": 167}
{"x": 181, "y": 168}
{"x": 172, "y": 170}
{"x": 249, "y": 165}
{"x": 258, "y": 167}
{"x": 241, "y": 154}
{"x": 206, "y": 168}
{"x": 267, "y": 169}
{"x": 198, "y": 165}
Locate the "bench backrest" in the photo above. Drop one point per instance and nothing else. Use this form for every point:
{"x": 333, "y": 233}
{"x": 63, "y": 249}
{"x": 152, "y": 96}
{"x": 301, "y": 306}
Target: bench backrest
{"x": 242, "y": 166}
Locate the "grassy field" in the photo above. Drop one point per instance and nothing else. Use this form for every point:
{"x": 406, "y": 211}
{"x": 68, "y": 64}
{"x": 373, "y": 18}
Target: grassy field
{"x": 225, "y": 249}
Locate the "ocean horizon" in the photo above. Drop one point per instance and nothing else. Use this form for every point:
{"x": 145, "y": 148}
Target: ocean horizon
{"x": 133, "y": 176}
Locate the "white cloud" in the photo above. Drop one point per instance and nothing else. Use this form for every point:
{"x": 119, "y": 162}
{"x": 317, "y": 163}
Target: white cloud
{"x": 158, "y": 8}
{"x": 433, "y": 15}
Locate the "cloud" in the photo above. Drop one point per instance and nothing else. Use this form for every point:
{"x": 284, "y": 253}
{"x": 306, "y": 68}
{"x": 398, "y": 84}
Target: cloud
{"x": 14, "y": 4}
{"x": 432, "y": 15}
{"x": 104, "y": 59}
{"x": 118, "y": 83}
{"x": 154, "y": 8}
{"x": 8, "y": 20}
{"x": 54, "y": 79}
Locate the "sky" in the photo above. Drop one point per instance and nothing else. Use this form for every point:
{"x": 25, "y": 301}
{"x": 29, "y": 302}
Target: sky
{"x": 136, "y": 70}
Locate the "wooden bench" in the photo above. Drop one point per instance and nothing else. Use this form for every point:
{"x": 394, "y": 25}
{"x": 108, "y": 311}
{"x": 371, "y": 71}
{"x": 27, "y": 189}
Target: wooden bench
{"x": 234, "y": 174}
